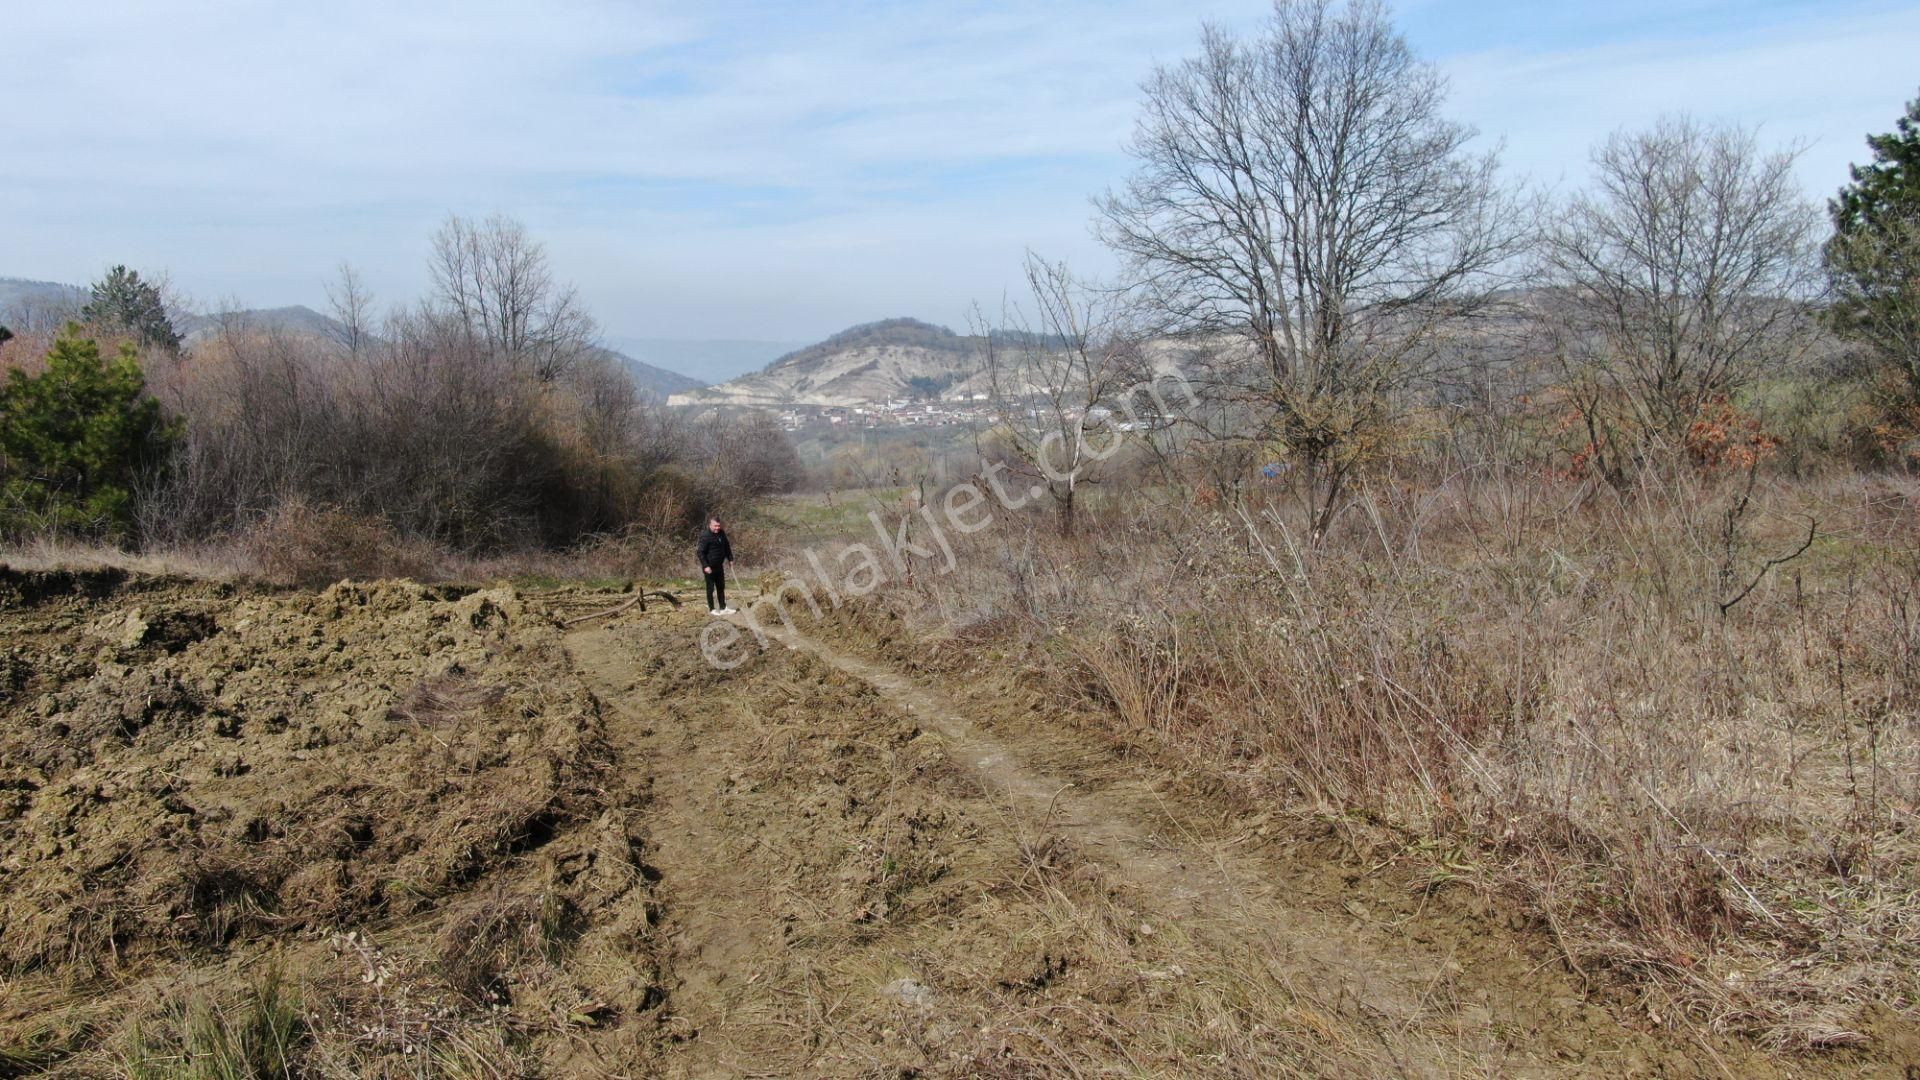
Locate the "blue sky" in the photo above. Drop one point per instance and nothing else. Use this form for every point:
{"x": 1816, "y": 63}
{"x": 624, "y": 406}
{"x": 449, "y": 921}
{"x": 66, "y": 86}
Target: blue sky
{"x": 768, "y": 170}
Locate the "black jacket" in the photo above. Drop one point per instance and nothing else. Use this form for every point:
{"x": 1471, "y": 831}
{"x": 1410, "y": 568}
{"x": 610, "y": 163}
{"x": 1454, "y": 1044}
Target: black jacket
{"x": 714, "y": 549}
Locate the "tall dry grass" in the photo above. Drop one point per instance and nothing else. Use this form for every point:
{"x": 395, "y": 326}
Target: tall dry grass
{"x": 1563, "y": 692}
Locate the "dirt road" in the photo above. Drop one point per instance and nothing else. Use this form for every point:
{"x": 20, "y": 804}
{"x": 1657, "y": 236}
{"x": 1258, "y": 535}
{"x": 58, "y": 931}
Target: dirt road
{"x": 857, "y": 878}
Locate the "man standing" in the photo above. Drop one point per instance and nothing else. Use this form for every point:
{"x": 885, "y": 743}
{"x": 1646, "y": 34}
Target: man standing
{"x": 715, "y": 554}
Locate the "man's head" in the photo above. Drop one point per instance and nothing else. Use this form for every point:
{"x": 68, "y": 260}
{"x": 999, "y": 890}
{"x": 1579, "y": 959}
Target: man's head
{"x": 714, "y": 525}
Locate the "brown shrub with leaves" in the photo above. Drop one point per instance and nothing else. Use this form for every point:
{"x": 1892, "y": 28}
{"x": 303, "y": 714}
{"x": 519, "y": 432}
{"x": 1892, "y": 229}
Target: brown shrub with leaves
{"x": 301, "y": 544}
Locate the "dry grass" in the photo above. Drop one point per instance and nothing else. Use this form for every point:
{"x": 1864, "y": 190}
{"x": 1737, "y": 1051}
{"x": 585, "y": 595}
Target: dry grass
{"x": 209, "y": 563}
{"x": 300, "y": 545}
{"x": 259, "y": 1037}
{"x": 312, "y": 547}
{"x": 1533, "y": 687}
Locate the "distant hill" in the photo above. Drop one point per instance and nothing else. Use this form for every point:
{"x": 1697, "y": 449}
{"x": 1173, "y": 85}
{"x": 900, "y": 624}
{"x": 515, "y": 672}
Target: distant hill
{"x": 46, "y": 304}
{"x": 296, "y": 320}
{"x": 657, "y": 381}
{"x": 28, "y": 304}
{"x": 871, "y": 362}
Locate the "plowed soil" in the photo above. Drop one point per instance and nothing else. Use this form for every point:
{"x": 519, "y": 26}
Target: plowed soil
{"x": 476, "y": 840}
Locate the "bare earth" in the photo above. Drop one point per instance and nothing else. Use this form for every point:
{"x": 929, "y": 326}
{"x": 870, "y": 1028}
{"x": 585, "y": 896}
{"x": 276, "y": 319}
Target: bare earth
{"x": 481, "y": 842}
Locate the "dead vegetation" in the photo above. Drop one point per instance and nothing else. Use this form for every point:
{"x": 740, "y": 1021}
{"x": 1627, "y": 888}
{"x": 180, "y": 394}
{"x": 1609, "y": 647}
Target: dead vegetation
{"x": 1509, "y": 786}
{"x": 1529, "y": 688}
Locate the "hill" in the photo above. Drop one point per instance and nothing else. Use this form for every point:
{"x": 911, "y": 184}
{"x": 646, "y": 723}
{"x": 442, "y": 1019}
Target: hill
{"x": 295, "y": 320}
{"x": 25, "y": 304}
{"x": 871, "y": 362}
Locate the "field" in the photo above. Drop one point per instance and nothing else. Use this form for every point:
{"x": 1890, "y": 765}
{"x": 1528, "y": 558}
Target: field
{"x": 394, "y": 829}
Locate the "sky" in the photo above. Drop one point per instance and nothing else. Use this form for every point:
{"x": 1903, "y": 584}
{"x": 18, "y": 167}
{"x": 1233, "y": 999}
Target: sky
{"x": 762, "y": 170}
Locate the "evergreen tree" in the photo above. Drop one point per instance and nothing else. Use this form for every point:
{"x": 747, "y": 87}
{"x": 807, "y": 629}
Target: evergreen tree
{"x": 6, "y": 335}
{"x": 1888, "y": 188}
{"x": 121, "y": 301}
{"x": 75, "y": 438}
{"x": 1873, "y": 258}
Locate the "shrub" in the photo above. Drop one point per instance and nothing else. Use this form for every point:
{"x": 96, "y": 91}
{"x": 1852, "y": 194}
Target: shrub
{"x": 75, "y": 438}
{"x": 300, "y": 544}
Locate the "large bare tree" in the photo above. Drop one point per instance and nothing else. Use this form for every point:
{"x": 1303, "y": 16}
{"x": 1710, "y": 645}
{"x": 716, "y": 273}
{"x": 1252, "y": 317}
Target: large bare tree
{"x": 1300, "y": 198}
{"x": 494, "y": 278}
{"x": 1678, "y": 276}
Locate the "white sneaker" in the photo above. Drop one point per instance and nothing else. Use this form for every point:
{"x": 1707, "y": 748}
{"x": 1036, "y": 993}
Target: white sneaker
{"x": 729, "y": 611}
{"x": 713, "y": 611}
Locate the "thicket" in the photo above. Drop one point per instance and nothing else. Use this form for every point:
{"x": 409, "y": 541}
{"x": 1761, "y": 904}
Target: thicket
{"x": 479, "y": 421}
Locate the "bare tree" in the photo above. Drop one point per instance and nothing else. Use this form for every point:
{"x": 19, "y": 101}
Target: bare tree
{"x": 352, "y": 304}
{"x": 1055, "y": 376}
{"x": 748, "y": 456}
{"x": 1683, "y": 272}
{"x": 494, "y": 278}
{"x": 1299, "y": 196}
{"x": 41, "y": 315}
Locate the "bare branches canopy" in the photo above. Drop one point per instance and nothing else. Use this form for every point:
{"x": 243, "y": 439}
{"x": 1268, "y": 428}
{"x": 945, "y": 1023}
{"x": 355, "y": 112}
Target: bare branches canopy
{"x": 1301, "y": 192}
{"x": 1681, "y": 273}
{"x": 1055, "y": 372}
{"x": 493, "y": 278}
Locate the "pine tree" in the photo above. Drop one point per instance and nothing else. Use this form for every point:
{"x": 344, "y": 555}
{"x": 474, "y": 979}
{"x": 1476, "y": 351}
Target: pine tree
{"x": 121, "y": 301}
{"x": 75, "y": 438}
{"x": 1888, "y": 188}
{"x": 1874, "y": 256}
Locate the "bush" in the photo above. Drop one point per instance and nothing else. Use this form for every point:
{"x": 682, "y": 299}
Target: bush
{"x": 443, "y": 444}
{"x": 1533, "y": 684}
{"x": 299, "y": 544}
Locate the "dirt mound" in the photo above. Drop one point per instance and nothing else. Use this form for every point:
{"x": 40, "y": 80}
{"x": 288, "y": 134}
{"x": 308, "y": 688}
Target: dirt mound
{"x": 193, "y": 774}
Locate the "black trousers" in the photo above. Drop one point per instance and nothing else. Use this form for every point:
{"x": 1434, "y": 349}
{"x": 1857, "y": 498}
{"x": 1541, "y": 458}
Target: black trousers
{"x": 716, "y": 587}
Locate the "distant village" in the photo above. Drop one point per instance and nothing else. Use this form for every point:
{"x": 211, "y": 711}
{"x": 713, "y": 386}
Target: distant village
{"x": 900, "y": 412}
{"x": 974, "y": 410}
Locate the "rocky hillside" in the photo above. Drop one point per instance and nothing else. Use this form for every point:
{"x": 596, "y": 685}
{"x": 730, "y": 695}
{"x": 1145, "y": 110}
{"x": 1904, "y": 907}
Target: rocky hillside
{"x": 871, "y": 362}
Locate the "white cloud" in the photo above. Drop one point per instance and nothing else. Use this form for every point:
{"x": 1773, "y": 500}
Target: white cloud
{"x": 250, "y": 146}
{"x": 743, "y": 169}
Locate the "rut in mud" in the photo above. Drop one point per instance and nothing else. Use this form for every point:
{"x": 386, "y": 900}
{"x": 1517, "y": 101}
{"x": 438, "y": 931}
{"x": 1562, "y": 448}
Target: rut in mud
{"x": 858, "y": 879}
